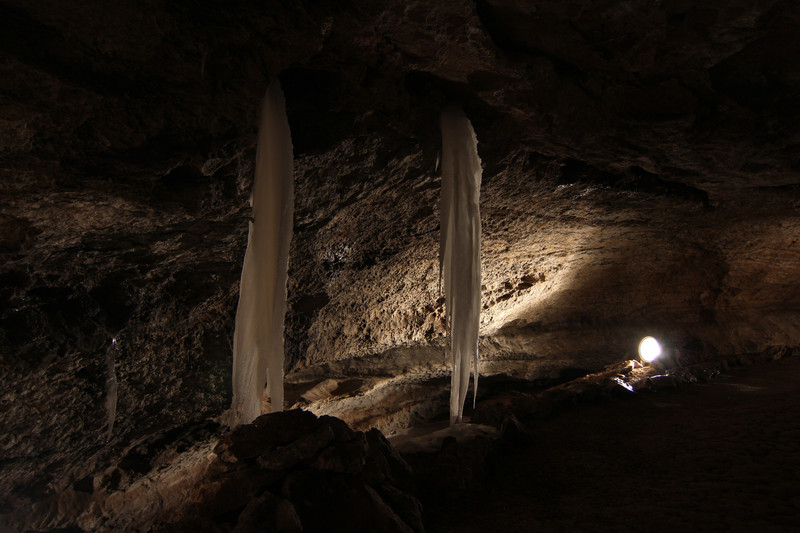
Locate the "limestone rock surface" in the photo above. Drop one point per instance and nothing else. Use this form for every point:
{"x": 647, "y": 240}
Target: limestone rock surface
{"x": 640, "y": 178}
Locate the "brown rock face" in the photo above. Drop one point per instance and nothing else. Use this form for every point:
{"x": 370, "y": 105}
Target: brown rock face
{"x": 640, "y": 177}
{"x": 287, "y": 472}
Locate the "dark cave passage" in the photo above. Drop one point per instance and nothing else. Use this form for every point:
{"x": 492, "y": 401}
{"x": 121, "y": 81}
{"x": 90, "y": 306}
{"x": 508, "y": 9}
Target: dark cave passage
{"x": 719, "y": 456}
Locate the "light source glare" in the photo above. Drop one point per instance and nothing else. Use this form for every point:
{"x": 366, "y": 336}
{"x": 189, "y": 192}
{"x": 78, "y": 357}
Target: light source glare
{"x": 649, "y": 349}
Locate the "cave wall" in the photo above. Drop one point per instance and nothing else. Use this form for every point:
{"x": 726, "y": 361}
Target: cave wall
{"x": 640, "y": 176}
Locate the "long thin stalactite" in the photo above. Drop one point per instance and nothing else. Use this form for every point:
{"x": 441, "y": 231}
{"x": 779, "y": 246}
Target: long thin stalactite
{"x": 460, "y": 250}
{"x": 258, "y": 352}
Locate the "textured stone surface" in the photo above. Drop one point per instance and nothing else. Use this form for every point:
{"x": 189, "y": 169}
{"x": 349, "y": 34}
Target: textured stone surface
{"x": 640, "y": 177}
{"x": 288, "y": 471}
{"x": 708, "y": 457}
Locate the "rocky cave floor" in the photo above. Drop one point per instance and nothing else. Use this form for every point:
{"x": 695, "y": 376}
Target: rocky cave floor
{"x": 717, "y": 456}
{"x": 712, "y": 446}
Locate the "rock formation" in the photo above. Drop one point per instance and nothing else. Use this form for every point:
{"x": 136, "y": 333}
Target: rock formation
{"x": 258, "y": 353}
{"x": 460, "y": 252}
{"x": 640, "y": 178}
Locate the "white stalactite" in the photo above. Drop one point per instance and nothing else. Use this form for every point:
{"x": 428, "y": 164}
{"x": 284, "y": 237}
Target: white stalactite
{"x": 460, "y": 250}
{"x": 258, "y": 337}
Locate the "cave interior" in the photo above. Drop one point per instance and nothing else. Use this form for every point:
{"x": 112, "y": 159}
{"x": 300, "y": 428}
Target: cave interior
{"x": 640, "y": 176}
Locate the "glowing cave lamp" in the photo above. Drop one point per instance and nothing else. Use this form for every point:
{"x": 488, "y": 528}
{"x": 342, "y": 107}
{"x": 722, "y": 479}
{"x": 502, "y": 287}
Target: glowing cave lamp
{"x": 649, "y": 349}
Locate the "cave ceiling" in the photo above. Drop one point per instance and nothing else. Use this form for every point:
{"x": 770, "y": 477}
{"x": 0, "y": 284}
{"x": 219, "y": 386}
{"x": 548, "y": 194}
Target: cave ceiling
{"x": 640, "y": 176}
